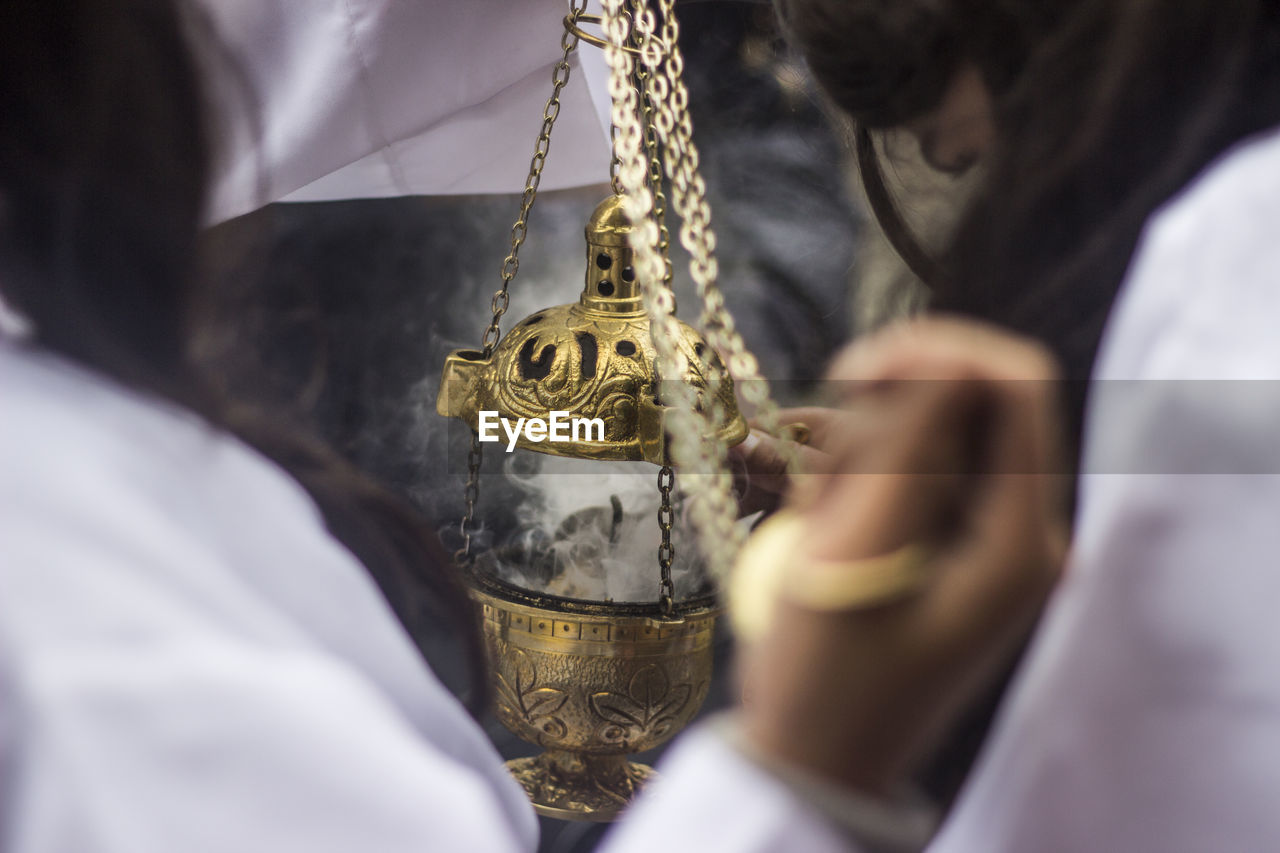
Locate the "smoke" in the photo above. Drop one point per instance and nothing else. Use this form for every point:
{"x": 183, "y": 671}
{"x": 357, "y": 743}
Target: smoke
{"x": 354, "y": 306}
{"x": 586, "y": 529}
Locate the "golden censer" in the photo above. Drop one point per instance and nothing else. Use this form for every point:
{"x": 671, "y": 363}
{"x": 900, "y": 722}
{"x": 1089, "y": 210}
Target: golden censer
{"x": 594, "y": 681}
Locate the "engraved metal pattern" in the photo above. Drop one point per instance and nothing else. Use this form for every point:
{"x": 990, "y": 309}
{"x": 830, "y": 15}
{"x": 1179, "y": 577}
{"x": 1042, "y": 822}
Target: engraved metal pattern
{"x": 518, "y": 694}
{"x": 570, "y": 787}
{"x": 650, "y": 707}
{"x": 592, "y": 359}
{"x": 590, "y": 689}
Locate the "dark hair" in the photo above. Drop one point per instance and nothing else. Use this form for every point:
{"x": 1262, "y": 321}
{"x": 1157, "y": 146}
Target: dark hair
{"x": 104, "y": 167}
{"x": 1104, "y": 111}
{"x": 1123, "y": 107}
{"x": 1114, "y": 107}
{"x": 886, "y": 62}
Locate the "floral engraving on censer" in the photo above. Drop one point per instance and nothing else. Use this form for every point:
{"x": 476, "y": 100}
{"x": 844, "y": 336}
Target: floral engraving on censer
{"x": 651, "y": 708}
{"x": 520, "y": 696}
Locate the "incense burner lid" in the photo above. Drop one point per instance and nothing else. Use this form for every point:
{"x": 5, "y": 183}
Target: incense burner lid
{"x": 592, "y": 361}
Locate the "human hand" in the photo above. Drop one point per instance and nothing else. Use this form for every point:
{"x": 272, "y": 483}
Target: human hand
{"x": 760, "y": 463}
{"x": 949, "y": 441}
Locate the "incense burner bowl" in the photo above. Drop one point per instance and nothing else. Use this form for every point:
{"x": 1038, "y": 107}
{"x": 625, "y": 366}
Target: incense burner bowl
{"x": 591, "y": 682}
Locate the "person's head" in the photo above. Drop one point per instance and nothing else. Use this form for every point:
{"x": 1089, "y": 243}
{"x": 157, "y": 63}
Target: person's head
{"x": 1103, "y": 110}
{"x": 105, "y": 162}
{"x": 935, "y": 69}
{"x": 932, "y": 67}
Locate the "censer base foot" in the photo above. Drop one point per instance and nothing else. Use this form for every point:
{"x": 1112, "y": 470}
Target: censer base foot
{"x": 571, "y": 786}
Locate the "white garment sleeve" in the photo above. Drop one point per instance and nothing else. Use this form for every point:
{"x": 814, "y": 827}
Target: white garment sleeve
{"x": 207, "y": 747}
{"x": 141, "y": 717}
{"x": 325, "y": 99}
{"x": 1147, "y": 714}
{"x": 188, "y": 662}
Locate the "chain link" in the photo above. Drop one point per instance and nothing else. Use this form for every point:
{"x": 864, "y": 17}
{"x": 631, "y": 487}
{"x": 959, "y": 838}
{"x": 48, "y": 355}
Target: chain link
{"x": 695, "y": 232}
{"x": 693, "y": 446}
{"x": 614, "y": 163}
{"x": 695, "y": 422}
{"x": 471, "y": 494}
{"x": 714, "y": 508}
{"x": 666, "y": 551}
{"x": 655, "y": 175}
{"x": 689, "y": 192}
{"x": 511, "y": 265}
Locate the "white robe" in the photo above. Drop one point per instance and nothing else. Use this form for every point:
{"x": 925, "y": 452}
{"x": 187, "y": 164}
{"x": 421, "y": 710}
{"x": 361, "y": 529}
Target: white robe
{"x": 331, "y": 99}
{"x": 1147, "y": 714}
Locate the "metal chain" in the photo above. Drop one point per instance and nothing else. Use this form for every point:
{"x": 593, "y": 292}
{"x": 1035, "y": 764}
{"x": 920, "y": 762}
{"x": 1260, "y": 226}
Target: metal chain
{"x": 675, "y": 125}
{"x": 666, "y": 551}
{"x": 655, "y": 175}
{"x": 662, "y": 113}
{"x": 510, "y": 266}
{"x": 636, "y": 173}
{"x": 712, "y": 506}
{"x": 666, "y": 476}
{"x": 614, "y": 163}
{"x": 470, "y": 495}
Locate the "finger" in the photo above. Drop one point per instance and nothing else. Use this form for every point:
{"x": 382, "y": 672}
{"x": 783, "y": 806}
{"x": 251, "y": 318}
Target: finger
{"x": 847, "y": 433}
{"x": 1017, "y": 500}
{"x": 1026, "y": 481}
{"x": 766, "y": 458}
{"x": 898, "y": 481}
{"x": 819, "y": 420}
{"x": 1020, "y": 372}
{"x": 1014, "y": 550}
